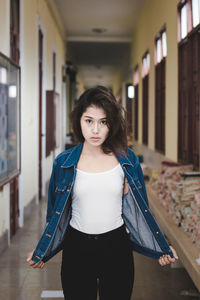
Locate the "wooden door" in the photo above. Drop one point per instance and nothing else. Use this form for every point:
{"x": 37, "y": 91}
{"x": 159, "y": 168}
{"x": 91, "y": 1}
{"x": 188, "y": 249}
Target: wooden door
{"x": 15, "y": 56}
{"x": 189, "y": 78}
{"x": 136, "y": 113}
{"x": 40, "y": 110}
{"x": 129, "y": 102}
{"x": 145, "y": 102}
{"x": 14, "y": 206}
{"x": 160, "y": 107}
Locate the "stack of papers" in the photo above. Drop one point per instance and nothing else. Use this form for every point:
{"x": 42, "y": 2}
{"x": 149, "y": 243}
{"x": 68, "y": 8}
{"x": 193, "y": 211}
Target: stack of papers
{"x": 178, "y": 189}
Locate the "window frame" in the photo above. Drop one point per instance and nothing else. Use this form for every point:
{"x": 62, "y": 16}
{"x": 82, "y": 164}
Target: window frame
{"x": 190, "y": 26}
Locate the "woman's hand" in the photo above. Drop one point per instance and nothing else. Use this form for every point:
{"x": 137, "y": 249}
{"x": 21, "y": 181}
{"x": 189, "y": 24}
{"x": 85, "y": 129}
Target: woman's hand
{"x": 167, "y": 259}
{"x": 32, "y": 263}
{"x": 126, "y": 188}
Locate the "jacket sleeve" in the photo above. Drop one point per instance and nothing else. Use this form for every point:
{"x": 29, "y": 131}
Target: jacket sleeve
{"x": 51, "y": 194}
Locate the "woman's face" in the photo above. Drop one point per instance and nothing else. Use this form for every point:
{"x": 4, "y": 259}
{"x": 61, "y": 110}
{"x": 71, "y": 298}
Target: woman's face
{"x": 94, "y": 125}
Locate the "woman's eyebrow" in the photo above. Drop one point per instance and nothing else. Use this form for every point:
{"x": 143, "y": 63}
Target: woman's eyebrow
{"x": 93, "y": 118}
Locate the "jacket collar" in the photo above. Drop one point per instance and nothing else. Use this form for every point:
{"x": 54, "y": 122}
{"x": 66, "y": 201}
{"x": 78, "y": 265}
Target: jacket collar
{"x": 73, "y": 157}
{"x": 75, "y": 153}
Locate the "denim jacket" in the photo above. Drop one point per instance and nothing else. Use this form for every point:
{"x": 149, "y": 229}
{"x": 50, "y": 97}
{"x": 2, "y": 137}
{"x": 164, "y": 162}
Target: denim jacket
{"x": 145, "y": 235}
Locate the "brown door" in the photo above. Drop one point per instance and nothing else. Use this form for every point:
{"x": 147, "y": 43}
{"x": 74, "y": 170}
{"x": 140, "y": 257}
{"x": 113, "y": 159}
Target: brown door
{"x": 189, "y": 78}
{"x": 145, "y": 102}
{"x": 15, "y": 56}
{"x": 160, "y": 107}
{"x": 136, "y": 113}
{"x": 129, "y": 102}
{"x": 40, "y": 110}
{"x": 14, "y": 206}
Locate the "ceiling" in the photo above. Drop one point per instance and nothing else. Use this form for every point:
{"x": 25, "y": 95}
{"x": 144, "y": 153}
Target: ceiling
{"x": 98, "y": 56}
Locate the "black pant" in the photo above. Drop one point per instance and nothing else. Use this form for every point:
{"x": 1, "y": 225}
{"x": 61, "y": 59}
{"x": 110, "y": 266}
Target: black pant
{"x": 107, "y": 257}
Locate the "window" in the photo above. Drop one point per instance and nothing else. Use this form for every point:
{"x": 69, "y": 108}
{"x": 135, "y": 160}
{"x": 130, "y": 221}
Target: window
{"x": 145, "y": 96}
{"x": 188, "y": 17}
{"x": 184, "y": 20}
{"x": 160, "y": 55}
{"x": 9, "y": 120}
{"x": 145, "y": 64}
{"x": 161, "y": 46}
{"x": 195, "y": 12}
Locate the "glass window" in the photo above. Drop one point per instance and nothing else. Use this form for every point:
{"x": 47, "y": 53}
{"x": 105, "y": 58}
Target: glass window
{"x": 195, "y": 12}
{"x": 145, "y": 64}
{"x": 131, "y": 92}
{"x": 164, "y": 44}
{"x": 148, "y": 62}
{"x": 184, "y": 21}
{"x": 158, "y": 50}
{"x": 9, "y": 119}
{"x": 136, "y": 76}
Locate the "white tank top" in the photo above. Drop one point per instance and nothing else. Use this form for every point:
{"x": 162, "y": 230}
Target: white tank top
{"x": 97, "y": 201}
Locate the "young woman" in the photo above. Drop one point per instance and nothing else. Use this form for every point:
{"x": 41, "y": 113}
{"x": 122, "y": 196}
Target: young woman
{"x": 98, "y": 208}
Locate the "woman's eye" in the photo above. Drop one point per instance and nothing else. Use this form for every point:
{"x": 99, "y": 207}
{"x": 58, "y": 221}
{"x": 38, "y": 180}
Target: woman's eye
{"x": 104, "y": 122}
{"x": 88, "y": 121}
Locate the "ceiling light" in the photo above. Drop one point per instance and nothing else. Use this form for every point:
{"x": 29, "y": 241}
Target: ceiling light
{"x": 131, "y": 92}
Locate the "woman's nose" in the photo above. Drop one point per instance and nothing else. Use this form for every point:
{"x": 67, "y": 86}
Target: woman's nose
{"x": 95, "y": 127}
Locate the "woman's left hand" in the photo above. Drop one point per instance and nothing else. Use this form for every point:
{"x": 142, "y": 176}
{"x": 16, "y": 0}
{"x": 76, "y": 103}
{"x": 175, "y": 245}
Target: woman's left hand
{"x": 167, "y": 259}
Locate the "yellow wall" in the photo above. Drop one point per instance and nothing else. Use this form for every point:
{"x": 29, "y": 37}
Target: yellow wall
{"x": 34, "y": 10}
{"x": 5, "y": 26}
{"x": 117, "y": 82}
{"x": 154, "y": 15}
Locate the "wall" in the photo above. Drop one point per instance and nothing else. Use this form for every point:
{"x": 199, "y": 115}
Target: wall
{"x": 38, "y": 12}
{"x": 35, "y": 12}
{"x": 154, "y": 15}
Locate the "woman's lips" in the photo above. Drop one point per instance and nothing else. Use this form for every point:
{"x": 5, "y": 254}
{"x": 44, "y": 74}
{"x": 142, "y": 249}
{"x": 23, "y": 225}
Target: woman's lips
{"x": 95, "y": 138}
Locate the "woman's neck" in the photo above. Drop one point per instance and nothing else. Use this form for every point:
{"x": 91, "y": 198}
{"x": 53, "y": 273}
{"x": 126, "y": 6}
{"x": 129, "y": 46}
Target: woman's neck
{"x": 91, "y": 150}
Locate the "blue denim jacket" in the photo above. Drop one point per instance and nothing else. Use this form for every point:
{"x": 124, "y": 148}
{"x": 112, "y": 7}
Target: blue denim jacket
{"x": 145, "y": 235}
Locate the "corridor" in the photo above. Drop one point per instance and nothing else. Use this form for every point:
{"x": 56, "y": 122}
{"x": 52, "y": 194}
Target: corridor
{"x": 147, "y": 53}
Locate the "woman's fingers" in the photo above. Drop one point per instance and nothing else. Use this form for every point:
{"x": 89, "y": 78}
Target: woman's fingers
{"x": 167, "y": 259}
{"x": 32, "y": 263}
{"x": 174, "y": 252}
{"x": 36, "y": 265}
{"x": 29, "y": 256}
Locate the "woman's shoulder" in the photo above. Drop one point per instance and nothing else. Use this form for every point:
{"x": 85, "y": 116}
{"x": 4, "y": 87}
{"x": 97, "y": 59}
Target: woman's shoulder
{"x": 61, "y": 158}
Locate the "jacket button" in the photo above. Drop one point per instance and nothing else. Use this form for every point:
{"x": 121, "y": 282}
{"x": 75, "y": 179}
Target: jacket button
{"x": 157, "y": 232}
{"x": 145, "y": 210}
{"x": 68, "y": 190}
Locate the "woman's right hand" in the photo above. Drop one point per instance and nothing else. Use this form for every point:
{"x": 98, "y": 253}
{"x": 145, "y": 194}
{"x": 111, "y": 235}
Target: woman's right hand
{"x": 32, "y": 263}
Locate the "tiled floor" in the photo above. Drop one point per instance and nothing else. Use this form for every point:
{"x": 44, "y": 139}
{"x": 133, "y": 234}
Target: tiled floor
{"x": 20, "y": 282}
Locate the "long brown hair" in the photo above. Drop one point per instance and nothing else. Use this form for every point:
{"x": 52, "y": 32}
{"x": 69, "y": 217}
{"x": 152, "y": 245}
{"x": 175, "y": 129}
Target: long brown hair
{"x": 102, "y": 97}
